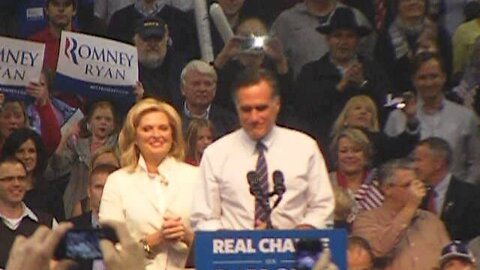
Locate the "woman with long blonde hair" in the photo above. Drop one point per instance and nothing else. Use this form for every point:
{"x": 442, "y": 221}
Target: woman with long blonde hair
{"x": 152, "y": 192}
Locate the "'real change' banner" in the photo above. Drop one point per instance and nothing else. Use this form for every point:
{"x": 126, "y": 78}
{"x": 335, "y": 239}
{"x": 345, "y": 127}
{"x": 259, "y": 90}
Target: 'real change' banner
{"x": 96, "y": 67}
{"x": 268, "y": 249}
{"x": 20, "y": 62}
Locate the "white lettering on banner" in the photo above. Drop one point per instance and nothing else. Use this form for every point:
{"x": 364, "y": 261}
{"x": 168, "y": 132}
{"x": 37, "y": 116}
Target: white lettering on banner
{"x": 12, "y": 74}
{"x": 274, "y": 245}
{"x": 233, "y": 246}
{"x": 19, "y": 57}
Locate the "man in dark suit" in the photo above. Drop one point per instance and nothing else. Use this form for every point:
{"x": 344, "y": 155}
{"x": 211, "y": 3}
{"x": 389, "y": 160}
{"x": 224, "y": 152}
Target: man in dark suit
{"x": 454, "y": 201}
{"x": 199, "y": 85}
{"x": 89, "y": 220}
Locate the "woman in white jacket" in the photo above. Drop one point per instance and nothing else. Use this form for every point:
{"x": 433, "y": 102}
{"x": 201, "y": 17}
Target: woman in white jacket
{"x": 153, "y": 191}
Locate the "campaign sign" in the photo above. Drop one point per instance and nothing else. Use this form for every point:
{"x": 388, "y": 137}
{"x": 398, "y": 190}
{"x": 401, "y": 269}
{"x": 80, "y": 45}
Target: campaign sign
{"x": 96, "y": 67}
{"x": 266, "y": 249}
{"x": 20, "y": 62}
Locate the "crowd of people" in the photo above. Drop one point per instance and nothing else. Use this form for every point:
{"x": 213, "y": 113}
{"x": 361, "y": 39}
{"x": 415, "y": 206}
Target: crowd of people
{"x": 367, "y": 111}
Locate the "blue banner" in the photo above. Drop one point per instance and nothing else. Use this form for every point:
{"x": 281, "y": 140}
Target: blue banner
{"x": 14, "y": 92}
{"x": 266, "y": 249}
{"x": 123, "y": 94}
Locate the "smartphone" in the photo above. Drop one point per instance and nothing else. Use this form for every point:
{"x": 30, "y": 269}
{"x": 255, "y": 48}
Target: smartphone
{"x": 253, "y": 43}
{"x": 84, "y": 244}
{"x": 308, "y": 251}
{"x": 398, "y": 102}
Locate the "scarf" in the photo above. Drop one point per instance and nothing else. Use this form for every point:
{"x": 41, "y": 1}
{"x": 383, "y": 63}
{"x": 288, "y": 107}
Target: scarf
{"x": 398, "y": 32}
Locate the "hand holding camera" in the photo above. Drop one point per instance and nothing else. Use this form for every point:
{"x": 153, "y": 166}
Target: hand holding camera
{"x": 36, "y": 252}
{"x": 410, "y": 108}
{"x": 128, "y": 256}
{"x": 118, "y": 249}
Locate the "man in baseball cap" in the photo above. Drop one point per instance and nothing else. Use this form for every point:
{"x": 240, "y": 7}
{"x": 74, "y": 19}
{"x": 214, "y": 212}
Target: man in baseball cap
{"x": 456, "y": 256}
{"x": 151, "y": 27}
{"x": 159, "y": 63}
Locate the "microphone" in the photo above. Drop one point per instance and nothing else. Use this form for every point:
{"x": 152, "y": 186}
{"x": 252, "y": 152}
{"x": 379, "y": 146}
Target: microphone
{"x": 221, "y": 22}
{"x": 260, "y": 197}
{"x": 203, "y": 29}
{"x": 278, "y": 186}
{"x": 254, "y": 184}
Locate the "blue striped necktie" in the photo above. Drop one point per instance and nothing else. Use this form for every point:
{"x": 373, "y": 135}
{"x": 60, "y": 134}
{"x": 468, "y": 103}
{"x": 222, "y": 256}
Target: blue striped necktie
{"x": 261, "y": 213}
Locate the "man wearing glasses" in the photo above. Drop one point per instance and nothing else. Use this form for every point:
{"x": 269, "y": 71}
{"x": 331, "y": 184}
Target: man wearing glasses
{"x": 400, "y": 233}
{"x": 16, "y": 218}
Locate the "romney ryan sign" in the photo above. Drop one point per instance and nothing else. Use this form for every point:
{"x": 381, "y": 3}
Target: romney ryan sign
{"x": 97, "y": 67}
{"x": 20, "y": 62}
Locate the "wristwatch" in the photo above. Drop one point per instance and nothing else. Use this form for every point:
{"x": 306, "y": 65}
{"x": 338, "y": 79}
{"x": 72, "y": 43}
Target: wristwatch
{"x": 146, "y": 246}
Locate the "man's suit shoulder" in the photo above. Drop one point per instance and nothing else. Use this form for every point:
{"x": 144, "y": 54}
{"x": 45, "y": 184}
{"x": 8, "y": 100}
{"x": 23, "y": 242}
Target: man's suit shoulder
{"x": 462, "y": 190}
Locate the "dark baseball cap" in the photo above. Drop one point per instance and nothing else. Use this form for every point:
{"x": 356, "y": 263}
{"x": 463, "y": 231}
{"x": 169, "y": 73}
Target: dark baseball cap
{"x": 456, "y": 249}
{"x": 151, "y": 27}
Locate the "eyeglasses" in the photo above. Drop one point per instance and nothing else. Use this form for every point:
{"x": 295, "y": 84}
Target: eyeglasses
{"x": 10, "y": 179}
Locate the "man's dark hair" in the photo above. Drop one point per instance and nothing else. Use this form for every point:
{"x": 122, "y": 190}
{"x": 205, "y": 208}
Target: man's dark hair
{"x": 72, "y": 2}
{"x": 251, "y": 77}
{"x": 423, "y": 58}
{"x": 438, "y": 148}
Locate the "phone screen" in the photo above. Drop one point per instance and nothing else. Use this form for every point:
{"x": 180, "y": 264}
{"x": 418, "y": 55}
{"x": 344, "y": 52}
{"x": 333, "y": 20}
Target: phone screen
{"x": 83, "y": 244}
{"x": 308, "y": 251}
{"x": 253, "y": 43}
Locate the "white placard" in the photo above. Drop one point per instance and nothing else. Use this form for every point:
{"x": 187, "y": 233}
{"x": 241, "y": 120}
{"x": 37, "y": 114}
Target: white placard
{"x": 20, "y": 62}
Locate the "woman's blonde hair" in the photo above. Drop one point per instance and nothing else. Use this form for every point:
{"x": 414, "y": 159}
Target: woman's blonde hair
{"x": 129, "y": 152}
{"x": 358, "y": 137}
{"x": 105, "y": 150}
{"x": 343, "y": 203}
{"x": 341, "y": 121}
{"x": 191, "y": 137}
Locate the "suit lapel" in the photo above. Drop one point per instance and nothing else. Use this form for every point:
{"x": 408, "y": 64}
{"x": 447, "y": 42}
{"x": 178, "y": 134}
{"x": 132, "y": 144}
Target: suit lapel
{"x": 449, "y": 201}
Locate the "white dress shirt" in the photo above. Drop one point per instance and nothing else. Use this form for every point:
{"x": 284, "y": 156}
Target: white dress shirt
{"x": 223, "y": 200}
{"x": 141, "y": 200}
